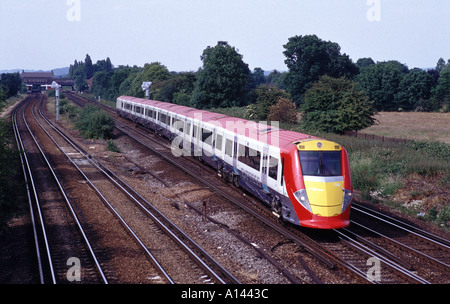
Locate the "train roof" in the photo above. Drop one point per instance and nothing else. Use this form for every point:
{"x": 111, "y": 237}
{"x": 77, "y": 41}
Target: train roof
{"x": 259, "y": 131}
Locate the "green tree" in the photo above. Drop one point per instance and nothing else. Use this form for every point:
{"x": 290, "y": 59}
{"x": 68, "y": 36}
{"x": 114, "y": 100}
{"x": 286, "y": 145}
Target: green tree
{"x": 182, "y": 83}
{"x": 10, "y": 83}
{"x": 154, "y": 72}
{"x": 440, "y": 65}
{"x": 89, "y": 68}
{"x": 257, "y": 78}
{"x": 80, "y": 83}
{"x": 441, "y": 94}
{"x": 336, "y": 105}
{"x": 223, "y": 80}
{"x": 266, "y": 96}
{"x": 364, "y": 62}
{"x": 101, "y": 84}
{"x": 381, "y": 83}
{"x": 308, "y": 58}
{"x": 277, "y": 79}
{"x": 414, "y": 88}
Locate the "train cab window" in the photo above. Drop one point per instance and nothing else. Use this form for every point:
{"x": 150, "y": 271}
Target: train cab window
{"x": 321, "y": 163}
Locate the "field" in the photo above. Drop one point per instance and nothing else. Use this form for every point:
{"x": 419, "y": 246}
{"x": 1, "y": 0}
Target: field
{"x": 412, "y": 125}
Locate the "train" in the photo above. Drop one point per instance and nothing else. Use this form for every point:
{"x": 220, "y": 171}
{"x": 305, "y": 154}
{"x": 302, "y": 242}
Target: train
{"x": 304, "y": 179}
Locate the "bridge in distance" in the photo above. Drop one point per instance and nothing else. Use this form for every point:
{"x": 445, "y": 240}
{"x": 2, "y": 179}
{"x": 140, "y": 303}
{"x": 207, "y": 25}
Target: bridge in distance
{"x": 39, "y": 81}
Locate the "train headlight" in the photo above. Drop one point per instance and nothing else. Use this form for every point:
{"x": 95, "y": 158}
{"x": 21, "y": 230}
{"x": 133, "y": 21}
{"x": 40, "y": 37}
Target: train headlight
{"x": 348, "y": 196}
{"x": 302, "y": 198}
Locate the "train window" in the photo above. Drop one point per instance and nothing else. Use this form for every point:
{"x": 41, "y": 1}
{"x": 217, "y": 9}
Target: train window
{"x": 250, "y": 157}
{"x": 179, "y": 125}
{"x": 229, "y": 147}
{"x": 207, "y": 137}
{"x": 188, "y": 128}
{"x": 273, "y": 167}
{"x": 163, "y": 118}
{"x": 318, "y": 163}
{"x": 194, "y": 132}
{"x": 219, "y": 142}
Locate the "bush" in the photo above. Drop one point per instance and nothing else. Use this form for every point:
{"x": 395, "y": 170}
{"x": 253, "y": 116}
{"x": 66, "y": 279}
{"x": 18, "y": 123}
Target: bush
{"x": 112, "y": 146}
{"x": 283, "y": 111}
{"x": 94, "y": 123}
{"x": 336, "y": 105}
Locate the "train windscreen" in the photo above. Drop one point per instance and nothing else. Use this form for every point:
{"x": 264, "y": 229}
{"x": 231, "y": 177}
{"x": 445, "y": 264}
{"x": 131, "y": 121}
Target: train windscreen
{"x": 321, "y": 163}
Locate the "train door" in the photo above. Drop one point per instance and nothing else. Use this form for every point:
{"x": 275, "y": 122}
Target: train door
{"x": 235, "y": 152}
{"x": 195, "y": 139}
{"x": 265, "y": 168}
{"x": 218, "y": 143}
{"x": 228, "y": 155}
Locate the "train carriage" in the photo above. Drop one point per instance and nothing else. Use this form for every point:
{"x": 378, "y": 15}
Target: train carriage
{"x": 304, "y": 179}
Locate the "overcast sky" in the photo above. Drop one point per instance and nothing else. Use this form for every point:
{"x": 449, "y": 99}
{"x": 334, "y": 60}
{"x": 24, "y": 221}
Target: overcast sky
{"x": 47, "y": 34}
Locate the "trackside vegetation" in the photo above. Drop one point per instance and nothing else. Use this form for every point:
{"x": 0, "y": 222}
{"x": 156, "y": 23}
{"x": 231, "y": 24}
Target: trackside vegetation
{"x": 11, "y": 185}
{"x": 94, "y": 123}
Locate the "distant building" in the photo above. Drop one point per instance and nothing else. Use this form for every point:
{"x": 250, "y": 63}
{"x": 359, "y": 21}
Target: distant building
{"x": 37, "y": 78}
{"x": 37, "y": 81}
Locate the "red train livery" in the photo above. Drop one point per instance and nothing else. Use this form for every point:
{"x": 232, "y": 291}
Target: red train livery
{"x": 304, "y": 179}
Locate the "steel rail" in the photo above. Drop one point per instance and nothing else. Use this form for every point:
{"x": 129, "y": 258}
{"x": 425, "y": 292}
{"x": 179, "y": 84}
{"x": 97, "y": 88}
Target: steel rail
{"x": 315, "y": 249}
{"x": 122, "y": 186}
{"x": 391, "y": 264}
{"x": 311, "y": 246}
{"x": 405, "y": 247}
{"x": 39, "y": 211}
{"x": 404, "y": 226}
{"x": 69, "y": 205}
{"x": 29, "y": 184}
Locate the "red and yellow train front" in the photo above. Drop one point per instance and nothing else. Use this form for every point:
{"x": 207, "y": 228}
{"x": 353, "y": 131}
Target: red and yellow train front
{"x": 321, "y": 191}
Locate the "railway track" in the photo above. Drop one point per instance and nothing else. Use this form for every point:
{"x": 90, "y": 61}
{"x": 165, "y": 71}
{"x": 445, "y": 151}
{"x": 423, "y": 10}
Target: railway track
{"x": 161, "y": 149}
{"x": 413, "y": 249}
{"x": 345, "y": 249}
{"x": 124, "y": 206}
{"x": 50, "y": 208}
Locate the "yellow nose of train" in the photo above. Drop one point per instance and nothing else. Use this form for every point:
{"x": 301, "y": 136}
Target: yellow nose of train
{"x": 322, "y": 175}
{"x": 325, "y": 194}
